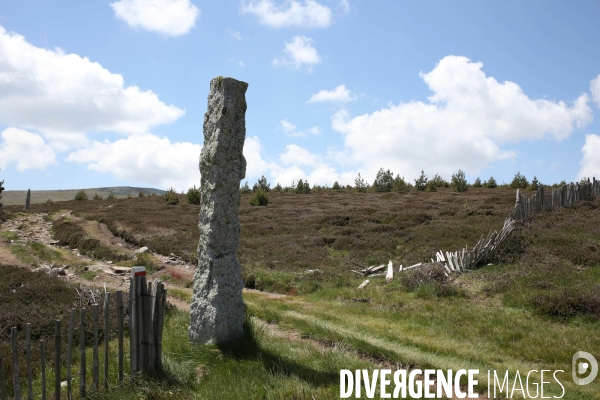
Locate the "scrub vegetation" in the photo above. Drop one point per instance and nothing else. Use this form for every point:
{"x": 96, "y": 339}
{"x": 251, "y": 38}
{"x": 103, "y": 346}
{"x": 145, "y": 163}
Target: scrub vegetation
{"x": 532, "y": 305}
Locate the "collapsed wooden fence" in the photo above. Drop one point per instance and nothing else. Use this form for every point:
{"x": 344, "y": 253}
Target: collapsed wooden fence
{"x": 147, "y": 302}
{"x": 465, "y": 259}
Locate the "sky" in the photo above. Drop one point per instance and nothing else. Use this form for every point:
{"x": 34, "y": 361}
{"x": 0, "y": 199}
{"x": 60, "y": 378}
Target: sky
{"x": 113, "y": 93}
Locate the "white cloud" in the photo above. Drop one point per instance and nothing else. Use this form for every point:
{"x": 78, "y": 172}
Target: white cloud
{"x": 595, "y": 89}
{"x": 590, "y": 162}
{"x": 467, "y": 119}
{"x": 28, "y": 150}
{"x": 235, "y": 34}
{"x": 298, "y": 52}
{"x": 145, "y": 159}
{"x": 287, "y": 126}
{"x": 338, "y": 95}
{"x": 290, "y": 129}
{"x": 345, "y": 6}
{"x": 63, "y": 96}
{"x": 167, "y": 17}
{"x": 308, "y": 14}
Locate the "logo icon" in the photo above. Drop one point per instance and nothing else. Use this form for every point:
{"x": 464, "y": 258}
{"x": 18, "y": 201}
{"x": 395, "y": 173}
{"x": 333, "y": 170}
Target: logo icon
{"x": 581, "y": 367}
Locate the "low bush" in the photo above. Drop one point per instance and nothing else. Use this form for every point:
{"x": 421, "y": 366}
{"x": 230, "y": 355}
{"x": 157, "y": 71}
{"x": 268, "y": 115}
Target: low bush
{"x": 111, "y": 196}
{"x": 193, "y": 195}
{"x": 568, "y": 303}
{"x": 97, "y": 196}
{"x": 81, "y": 195}
{"x": 171, "y": 197}
{"x": 260, "y": 198}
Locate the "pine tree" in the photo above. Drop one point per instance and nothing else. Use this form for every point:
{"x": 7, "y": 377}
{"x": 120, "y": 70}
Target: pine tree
{"x": 459, "y": 182}
{"x": 384, "y": 182}
{"x": 360, "y": 184}
{"x": 421, "y": 183}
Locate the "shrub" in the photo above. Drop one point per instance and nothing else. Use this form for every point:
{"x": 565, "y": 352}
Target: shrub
{"x": 384, "y": 181}
{"x": 81, "y": 195}
{"x": 438, "y": 181}
{"x": 49, "y": 202}
{"x": 111, "y": 196}
{"x": 260, "y": 198}
{"x": 400, "y": 185}
{"x": 421, "y": 182}
{"x": 336, "y": 186}
{"x": 245, "y": 188}
{"x": 97, "y": 196}
{"x": 535, "y": 184}
{"x": 491, "y": 183}
{"x": 519, "y": 181}
{"x": 278, "y": 188}
{"x": 262, "y": 184}
{"x": 360, "y": 184}
{"x": 459, "y": 182}
{"x": 430, "y": 187}
{"x": 477, "y": 183}
{"x": 141, "y": 194}
{"x": 193, "y": 195}
{"x": 568, "y": 303}
{"x": 302, "y": 187}
{"x": 129, "y": 196}
{"x": 171, "y": 197}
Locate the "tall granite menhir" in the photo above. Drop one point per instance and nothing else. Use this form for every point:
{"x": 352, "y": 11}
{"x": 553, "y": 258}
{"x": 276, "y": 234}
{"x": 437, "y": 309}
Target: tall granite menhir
{"x": 27, "y": 199}
{"x": 217, "y": 308}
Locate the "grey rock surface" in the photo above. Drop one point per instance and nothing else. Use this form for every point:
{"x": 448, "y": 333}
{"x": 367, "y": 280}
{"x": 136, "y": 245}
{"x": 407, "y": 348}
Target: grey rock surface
{"x": 217, "y": 308}
{"x": 27, "y": 199}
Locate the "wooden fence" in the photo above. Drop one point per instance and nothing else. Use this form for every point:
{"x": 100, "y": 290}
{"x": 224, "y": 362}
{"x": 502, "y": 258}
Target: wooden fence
{"x": 147, "y": 303}
{"x": 559, "y": 197}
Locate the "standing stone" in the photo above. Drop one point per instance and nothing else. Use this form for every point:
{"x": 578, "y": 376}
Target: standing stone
{"x": 27, "y": 199}
{"x": 217, "y": 308}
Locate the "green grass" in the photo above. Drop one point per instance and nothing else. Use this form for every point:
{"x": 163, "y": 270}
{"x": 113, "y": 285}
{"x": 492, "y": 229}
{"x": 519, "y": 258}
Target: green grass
{"x": 261, "y": 366}
{"x": 89, "y": 275}
{"x": 181, "y": 294}
{"x": 33, "y": 253}
{"x": 9, "y": 235}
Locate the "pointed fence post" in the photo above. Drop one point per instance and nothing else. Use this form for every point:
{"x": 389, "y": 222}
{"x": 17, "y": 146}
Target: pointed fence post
{"x": 106, "y": 303}
{"x": 70, "y": 353}
{"x": 120, "y": 332}
{"x": 15, "y": 362}
{"x": 82, "y": 363}
{"x": 57, "y": 360}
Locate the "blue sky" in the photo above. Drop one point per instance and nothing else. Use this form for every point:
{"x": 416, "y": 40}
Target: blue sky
{"x": 110, "y": 93}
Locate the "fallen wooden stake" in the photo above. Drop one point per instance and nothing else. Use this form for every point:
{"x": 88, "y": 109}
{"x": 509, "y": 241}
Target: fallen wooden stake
{"x": 390, "y": 272}
{"x": 362, "y": 285}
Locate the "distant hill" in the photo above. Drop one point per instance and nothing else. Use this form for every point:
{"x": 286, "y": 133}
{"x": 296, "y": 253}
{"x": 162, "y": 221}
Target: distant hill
{"x": 16, "y": 197}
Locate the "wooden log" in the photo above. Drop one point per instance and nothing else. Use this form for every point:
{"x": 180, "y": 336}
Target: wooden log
{"x": 28, "y": 352}
{"x": 106, "y": 338}
{"x": 414, "y": 266}
{"x": 362, "y": 285}
{"x": 70, "y": 353}
{"x": 2, "y": 385}
{"x": 15, "y": 362}
{"x": 390, "y": 272}
{"x": 57, "y": 360}
{"x": 43, "y": 366}
{"x": 146, "y": 323}
{"x": 82, "y": 363}
{"x": 95, "y": 365}
{"x": 120, "y": 333}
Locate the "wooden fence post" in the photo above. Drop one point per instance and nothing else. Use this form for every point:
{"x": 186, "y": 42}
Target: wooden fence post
{"x": 2, "y": 386}
{"x": 95, "y": 348}
{"x": 57, "y": 359}
{"x": 132, "y": 330}
{"x": 82, "y": 364}
{"x": 120, "y": 332}
{"x": 70, "y": 354}
{"x": 15, "y": 362}
{"x": 28, "y": 350}
{"x": 43, "y": 365}
{"x": 106, "y": 303}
